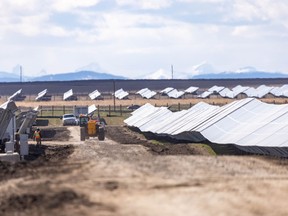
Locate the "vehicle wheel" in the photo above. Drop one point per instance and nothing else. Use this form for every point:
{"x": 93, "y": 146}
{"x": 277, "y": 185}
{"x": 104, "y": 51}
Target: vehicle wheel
{"x": 101, "y": 134}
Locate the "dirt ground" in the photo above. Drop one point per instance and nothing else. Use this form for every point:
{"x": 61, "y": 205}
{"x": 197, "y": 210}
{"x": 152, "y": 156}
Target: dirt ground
{"x": 129, "y": 175}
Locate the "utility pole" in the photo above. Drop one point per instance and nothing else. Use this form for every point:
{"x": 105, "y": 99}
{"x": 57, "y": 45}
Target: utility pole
{"x": 20, "y": 73}
{"x": 114, "y": 89}
{"x": 172, "y": 72}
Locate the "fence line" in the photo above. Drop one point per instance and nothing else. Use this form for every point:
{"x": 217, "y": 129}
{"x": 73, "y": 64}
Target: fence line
{"x": 109, "y": 110}
{"x": 58, "y": 111}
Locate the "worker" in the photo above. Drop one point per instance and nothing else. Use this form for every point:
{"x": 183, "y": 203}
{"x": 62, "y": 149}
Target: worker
{"x": 37, "y": 136}
{"x": 17, "y": 141}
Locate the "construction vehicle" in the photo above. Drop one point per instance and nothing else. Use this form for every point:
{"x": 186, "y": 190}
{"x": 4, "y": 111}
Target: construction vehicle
{"x": 91, "y": 127}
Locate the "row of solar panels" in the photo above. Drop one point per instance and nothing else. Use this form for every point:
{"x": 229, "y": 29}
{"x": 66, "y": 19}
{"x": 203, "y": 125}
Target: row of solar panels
{"x": 258, "y": 92}
{"x": 119, "y": 94}
{"x": 23, "y": 120}
{"x": 145, "y": 93}
{"x": 13, "y": 120}
{"x": 224, "y": 92}
{"x": 249, "y": 124}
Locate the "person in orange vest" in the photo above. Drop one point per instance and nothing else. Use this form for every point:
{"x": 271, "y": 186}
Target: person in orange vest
{"x": 37, "y": 136}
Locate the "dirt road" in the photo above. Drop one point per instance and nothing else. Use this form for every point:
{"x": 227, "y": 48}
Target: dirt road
{"x": 129, "y": 177}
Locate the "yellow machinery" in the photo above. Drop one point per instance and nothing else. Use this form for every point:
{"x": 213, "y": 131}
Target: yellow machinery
{"x": 91, "y": 128}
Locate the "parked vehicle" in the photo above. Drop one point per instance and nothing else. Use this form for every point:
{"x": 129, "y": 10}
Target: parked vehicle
{"x": 69, "y": 119}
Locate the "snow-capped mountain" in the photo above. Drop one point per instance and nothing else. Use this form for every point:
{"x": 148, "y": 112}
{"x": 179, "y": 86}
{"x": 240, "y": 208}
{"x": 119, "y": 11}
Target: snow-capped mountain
{"x": 248, "y": 72}
{"x": 91, "y": 67}
{"x": 159, "y": 74}
{"x": 207, "y": 71}
{"x": 203, "y": 68}
{"x": 248, "y": 69}
{"x": 163, "y": 74}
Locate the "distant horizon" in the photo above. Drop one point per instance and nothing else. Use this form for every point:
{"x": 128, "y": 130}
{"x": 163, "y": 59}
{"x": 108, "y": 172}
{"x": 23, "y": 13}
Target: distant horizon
{"x": 92, "y": 75}
{"x": 135, "y": 38}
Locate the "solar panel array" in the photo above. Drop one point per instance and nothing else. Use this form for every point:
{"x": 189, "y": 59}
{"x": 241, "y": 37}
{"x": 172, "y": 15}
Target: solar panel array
{"x": 249, "y": 124}
{"x": 174, "y": 93}
{"x": 7, "y": 111}
{"x": 221, "y": 91}
{"x": 259, "y": 92}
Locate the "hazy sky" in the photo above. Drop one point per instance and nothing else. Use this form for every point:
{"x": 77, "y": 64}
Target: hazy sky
{"x": 137, "y": 37}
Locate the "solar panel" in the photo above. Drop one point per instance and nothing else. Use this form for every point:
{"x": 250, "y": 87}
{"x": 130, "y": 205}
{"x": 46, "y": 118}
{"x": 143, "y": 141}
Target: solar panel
{"x": 94, "y": 95}
{"x": 67, "y": 95}
{"x": 41, "y": 95}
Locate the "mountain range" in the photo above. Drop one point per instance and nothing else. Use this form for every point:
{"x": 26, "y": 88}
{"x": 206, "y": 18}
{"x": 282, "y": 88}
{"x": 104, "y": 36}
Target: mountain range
{"x": 248, "y": 75}
{"x": 202, "y": 71}
{"x": 206, "y": 71}
{"x": 79, "y": 75}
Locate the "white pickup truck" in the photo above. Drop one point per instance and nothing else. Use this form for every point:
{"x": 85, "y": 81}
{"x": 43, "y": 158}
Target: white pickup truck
{"x": 69, "y": 119}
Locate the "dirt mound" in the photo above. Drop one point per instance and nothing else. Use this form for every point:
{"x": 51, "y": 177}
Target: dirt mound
{"x": 39, "y": 198}
{"x": 55, "y": 133}
{"x": 49, "y": 202}
{"x": 125, "y": 135}
{"x": 39, "y": 161}
{"x": 41, "y": 202}
{"x": 178, "y": 149}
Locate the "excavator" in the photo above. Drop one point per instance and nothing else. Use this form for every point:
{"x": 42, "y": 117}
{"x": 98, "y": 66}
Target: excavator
{"x": 91, "y": 127}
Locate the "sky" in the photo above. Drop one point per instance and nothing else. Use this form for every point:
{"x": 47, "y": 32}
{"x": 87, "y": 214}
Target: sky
{"x": 133, "y": 38}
